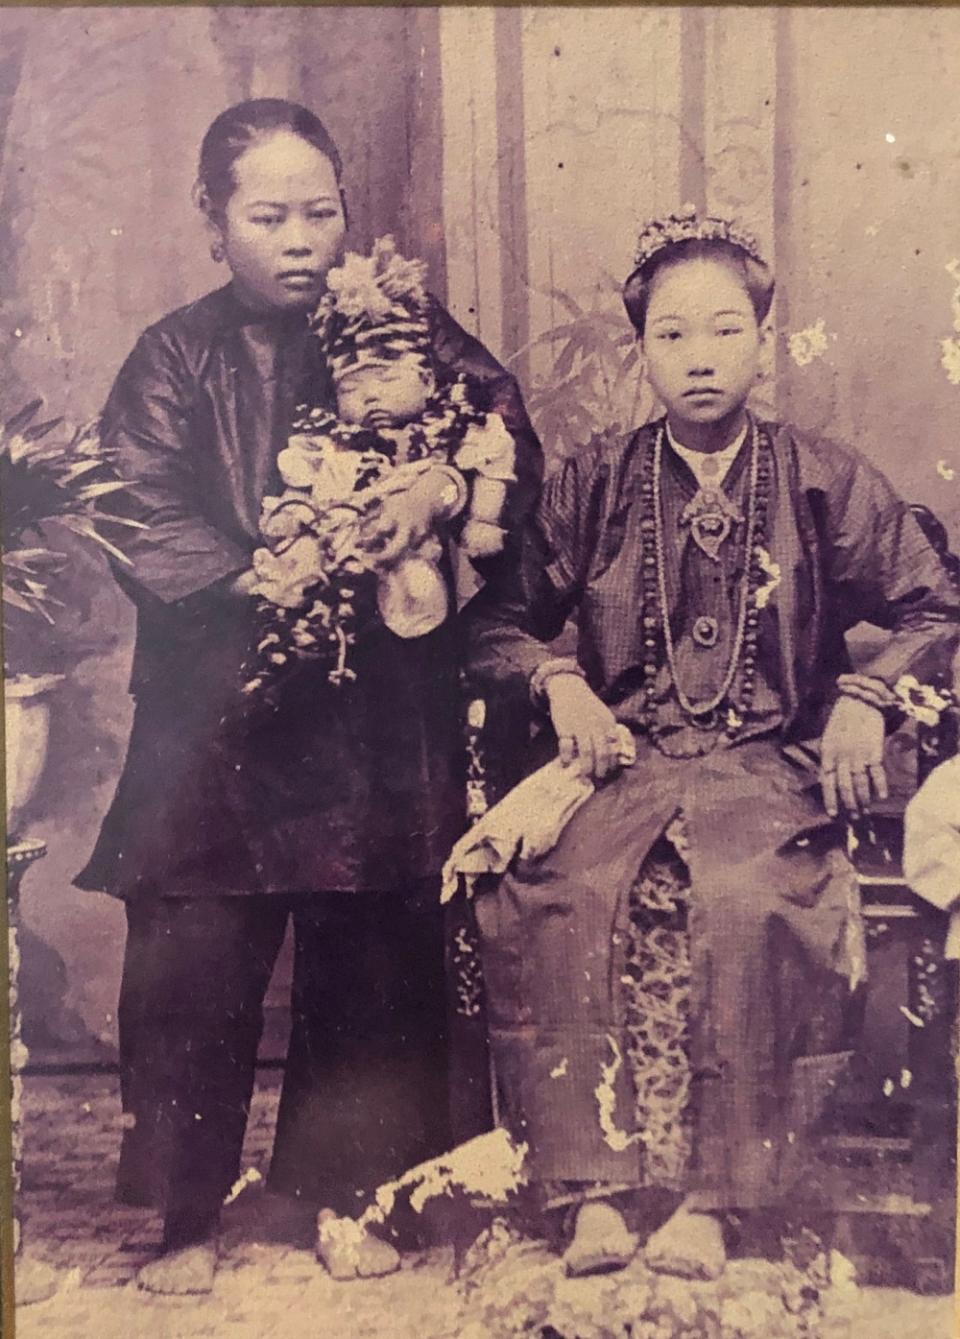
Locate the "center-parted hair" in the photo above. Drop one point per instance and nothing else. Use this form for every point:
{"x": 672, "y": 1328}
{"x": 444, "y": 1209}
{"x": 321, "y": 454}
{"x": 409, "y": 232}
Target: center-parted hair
{"x": 238, "y": 129}
{"x": 755, "y": 275}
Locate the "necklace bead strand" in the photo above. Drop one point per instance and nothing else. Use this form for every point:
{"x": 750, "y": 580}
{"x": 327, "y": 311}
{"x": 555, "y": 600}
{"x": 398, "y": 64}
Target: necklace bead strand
{"x": 656, "y": 609}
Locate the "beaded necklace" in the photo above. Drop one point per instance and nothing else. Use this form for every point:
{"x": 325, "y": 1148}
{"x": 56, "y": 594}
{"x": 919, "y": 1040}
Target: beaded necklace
{"x": 704, "y": 717}
{"x": 323, "y": 625}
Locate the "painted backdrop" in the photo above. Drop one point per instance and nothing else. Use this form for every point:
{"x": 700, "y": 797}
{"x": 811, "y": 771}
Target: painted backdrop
{"x": 516, "y": 149}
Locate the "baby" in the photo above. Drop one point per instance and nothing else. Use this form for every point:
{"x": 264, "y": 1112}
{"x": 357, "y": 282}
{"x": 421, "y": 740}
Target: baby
{"x": 389, "y": 396}
{"x": 385, "y": 393}
{"x": 395, "y": 420}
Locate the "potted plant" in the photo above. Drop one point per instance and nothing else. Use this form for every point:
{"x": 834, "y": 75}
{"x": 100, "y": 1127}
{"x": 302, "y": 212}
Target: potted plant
{"x": 49, "y": 480}
{"x": 595, "y": 383}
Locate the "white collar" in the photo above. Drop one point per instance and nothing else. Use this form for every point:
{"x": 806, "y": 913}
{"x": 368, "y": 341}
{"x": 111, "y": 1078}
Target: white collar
{"x": 722, "y": 460}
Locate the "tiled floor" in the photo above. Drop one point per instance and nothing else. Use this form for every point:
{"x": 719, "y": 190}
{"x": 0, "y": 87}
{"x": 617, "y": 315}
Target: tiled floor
{"x": 264, "y": 1289}
{"x": 71, "y": 1142}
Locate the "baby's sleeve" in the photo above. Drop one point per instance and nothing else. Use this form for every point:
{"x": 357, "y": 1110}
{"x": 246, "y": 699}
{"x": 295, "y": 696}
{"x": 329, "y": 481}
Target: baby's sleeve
{"x": 931, "y": 853}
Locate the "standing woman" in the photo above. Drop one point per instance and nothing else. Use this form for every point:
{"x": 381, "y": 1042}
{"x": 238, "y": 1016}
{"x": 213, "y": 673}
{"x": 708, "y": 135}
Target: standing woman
{"x": 336, "y": 808}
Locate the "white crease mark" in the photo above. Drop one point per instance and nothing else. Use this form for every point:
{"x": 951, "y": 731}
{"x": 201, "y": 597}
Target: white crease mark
{"x": 950, "y": 347}
{"x": 773, "y": 573}
{"x": 249, "y": 1178}
{"x": 805, "y": 346}
{"x": 491, "y": 1165}
{"x": 606, "y": 1096}
{"x": 953, "y": 269}
{"x": 950, "y": 359}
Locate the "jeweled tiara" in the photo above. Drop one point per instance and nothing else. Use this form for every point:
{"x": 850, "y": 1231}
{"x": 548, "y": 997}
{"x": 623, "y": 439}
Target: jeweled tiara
{"x": 684, "y": 225}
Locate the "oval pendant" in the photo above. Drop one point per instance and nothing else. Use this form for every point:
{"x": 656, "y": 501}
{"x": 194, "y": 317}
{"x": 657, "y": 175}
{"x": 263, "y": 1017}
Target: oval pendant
{"x": 705, "y": 631}
{"x": 709, "y": 530}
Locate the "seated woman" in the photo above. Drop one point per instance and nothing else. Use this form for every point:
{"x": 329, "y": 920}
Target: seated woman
{"x": 665, "y": 985}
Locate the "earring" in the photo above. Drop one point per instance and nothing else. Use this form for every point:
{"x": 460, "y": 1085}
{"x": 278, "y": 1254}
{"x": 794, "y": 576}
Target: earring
{"x": 217, "y": 251}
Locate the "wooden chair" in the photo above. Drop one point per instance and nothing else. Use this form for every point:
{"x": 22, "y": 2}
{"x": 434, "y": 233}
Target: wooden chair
{"x": 890, "y": 1139}
{"x": 895, "y": 1121}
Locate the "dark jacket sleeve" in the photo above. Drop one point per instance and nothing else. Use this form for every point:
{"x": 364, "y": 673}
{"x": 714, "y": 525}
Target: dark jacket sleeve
{"x": 512, "y": 622}
{"x": 147, "y": 430}
{"x": 881, "y": 568}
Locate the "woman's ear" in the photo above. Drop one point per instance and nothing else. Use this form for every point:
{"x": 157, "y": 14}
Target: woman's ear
{"x": 766, "y": 353}
{"x": 218, "y": 244}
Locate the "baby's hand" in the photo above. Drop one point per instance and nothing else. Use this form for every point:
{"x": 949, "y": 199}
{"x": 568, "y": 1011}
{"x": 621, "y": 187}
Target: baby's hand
{"x": 397, "y": 524}
{"x": 480, "y": 539}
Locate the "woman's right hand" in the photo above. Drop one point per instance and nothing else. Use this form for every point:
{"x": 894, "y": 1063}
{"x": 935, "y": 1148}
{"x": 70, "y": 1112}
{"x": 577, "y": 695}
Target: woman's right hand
{"x": 587, "y": 731}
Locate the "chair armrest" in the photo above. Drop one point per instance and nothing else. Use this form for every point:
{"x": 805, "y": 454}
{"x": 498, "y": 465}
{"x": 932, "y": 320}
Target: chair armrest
{"x": 498, "y": 724}
{"x": 937, "y": 743}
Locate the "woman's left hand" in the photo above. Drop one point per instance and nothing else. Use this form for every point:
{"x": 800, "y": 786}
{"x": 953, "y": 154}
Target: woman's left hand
{"x": 851, "y": 758}
{"x": 400, "y": 522}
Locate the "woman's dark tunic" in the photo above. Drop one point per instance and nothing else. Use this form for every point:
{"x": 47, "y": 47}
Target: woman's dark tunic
{"x": 357, "y": 787}
{"x": 775, "y": 933}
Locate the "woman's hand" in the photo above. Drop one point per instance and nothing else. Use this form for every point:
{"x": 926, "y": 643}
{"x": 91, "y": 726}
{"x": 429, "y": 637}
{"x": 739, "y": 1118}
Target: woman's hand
{"x": 587, "y": 730}
{"x": 851, "y": 758}
{"x": 398, "y": 523}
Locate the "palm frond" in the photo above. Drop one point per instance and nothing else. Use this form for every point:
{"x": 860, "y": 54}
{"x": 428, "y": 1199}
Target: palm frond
{"x": 85, "y": 527}
{"x": 595, "y": 382}
{"x": 128, "y": 521}
{"x": 25, "y": 558}
{"x": 566, "y": 300}
{"x": 39, "y": 430}
{"x": 22, "y": 418}
{"x": 50, "y": 477}
{"x": 90, "y": 492}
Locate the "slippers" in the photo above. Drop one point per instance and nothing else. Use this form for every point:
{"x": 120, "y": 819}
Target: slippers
{"x": 602, "y": 1242}
{"x": 689, "y": 1245}
{"x": 348, "y": 1250}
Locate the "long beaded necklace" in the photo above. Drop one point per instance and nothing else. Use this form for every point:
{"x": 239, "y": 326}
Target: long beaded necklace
{"x": 704, "y": 717}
